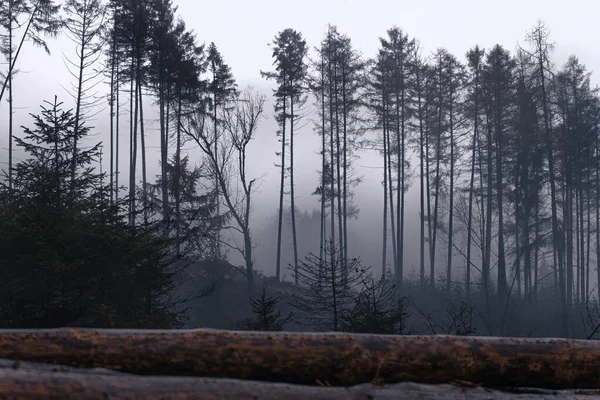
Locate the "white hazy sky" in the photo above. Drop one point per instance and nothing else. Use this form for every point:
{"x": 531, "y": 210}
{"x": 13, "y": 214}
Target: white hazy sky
{"x": 243, "y": 29}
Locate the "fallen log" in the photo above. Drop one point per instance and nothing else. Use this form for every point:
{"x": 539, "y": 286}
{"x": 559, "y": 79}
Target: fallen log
{"x": 24, "y": 384}
{"x": 43, "y": 367}
{"x": 306, "y": 358}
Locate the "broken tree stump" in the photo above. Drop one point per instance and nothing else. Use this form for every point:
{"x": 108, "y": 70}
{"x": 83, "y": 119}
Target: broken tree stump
{"x": 307, "y": 358}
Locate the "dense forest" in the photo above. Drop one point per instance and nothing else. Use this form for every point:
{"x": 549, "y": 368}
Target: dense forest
{"x": 501, "y": 145}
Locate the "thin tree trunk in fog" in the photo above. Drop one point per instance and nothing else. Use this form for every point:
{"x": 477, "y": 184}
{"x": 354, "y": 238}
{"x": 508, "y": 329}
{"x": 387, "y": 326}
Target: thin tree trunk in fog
{"x": 428, "y": 190}
{"x": 83, "y": 40}
{"x": 338, "y": 177}
{"x": 537, "y": 250}
{"x": 385, "y": 180}
{"x": 574, "y": 230}
{"x": 132, "y": 173}
{"x": 597, "y": 198}
{"x": 345, "y": 161}
{"x": 281, "y": 190}
{"x": 399, "y": 95}
{"x": 118, "y": 110}
{"x": 438, "y": 160}
{"x": 112, "y": 116}
{"x": 589, "y": 233}
{"x": 9, "y": 79}
{"x": 391, "y": 194}
{"x": 488, "y": 223}
{"x": 292, "y": 195}
{"x": 177, "y": 183}
{"x": 451, "y": 183}
{"x": 502, "y": 286}
{"x": 568, "y": 223}
{"x": 323, "y": 159}
{"x": 401, "y": 177}
{"x": 419, "y": 85}
{"x": 471, "y": 186}
{"x": 218, "y": 199}
{"x": 582, "y": 241}
{"x": 164, "y": 158}
{"x": 517, "y": 239}
{"x": 143, "y": 144}
{"x": 132, "y": 96}
{"x": 558, "y": 254}
{"x": 332, "y": 150}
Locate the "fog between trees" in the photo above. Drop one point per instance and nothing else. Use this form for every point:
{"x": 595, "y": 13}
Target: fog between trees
{"x": 487, "y": 173}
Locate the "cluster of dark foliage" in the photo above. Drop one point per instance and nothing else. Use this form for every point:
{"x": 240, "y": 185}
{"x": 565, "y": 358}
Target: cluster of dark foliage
{"x": 68, "y": 257}
{"x": 267, "y": 315}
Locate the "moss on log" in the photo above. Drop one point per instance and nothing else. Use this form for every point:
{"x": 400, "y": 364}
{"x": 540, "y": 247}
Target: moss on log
{"x": 305, "y": 358}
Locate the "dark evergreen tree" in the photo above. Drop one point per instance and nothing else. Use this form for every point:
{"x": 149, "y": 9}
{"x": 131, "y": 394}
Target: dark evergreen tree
{"x": 327, "y": 289}
{"x": 267, "y": 315}
{"x": 69, "y": 258}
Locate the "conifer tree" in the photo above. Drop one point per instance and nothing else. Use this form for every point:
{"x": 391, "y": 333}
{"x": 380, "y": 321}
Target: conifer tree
{"x": 40, "y": 19}
{"x": 70, "y": 246}
{"x": 84, "y": 24}
{"x": 289, "y": 52}
{"x": 222, "y": 89}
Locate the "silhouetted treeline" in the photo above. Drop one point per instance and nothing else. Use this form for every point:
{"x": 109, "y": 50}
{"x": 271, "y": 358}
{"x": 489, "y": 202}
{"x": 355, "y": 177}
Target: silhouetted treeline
{"x": 502, "y": 146}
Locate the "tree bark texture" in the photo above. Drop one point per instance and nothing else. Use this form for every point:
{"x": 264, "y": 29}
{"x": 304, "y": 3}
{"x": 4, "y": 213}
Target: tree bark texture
{"x": 310, "y": 358}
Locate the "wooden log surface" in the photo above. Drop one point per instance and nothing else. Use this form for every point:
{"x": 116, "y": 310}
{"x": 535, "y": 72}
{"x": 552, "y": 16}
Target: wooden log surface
{"x": 306, "y": 358}
{"x": 25, "y": 384}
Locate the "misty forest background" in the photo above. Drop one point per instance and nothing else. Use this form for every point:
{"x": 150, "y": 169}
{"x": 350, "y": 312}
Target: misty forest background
{"x": 488, "y": 169}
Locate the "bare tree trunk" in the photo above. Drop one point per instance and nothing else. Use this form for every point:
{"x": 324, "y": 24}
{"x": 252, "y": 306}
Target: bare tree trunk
{"x": 82, "y": 57}
{"x": 488, "y": 224}
{"x": 568, "y": 221}
{"x": 451, "y": 183}
{"x": 218, "y": 201}
{"x": 385, "y": 182}
{"x": 113, "y": 62}
{"x": 9, "y": 79}
{"x": 118, "y": 108}
{"x": 419, "y": 84}
{"x": 177, "y": 185}
{"x": 143, "y": 145}
{"x": 25, "y": 35}
{"x": 471, "y": 190}
{"x": 502, "y": 286}
{"x": 557, "y": 238}
{"x": 589, "y": 232}
{"x": 428, "y": 195}
{"x": 437, "y": 197}
{"x": 132, "y": 118}
{"x": 536, "y": 251}
{"x": 582, "y": 263}
{"x": 401, "y": 174}
{"x": 517, "y": 244}
{"x": 338, "y": 176}
{"x": 292, "y": 194}
{"x": 331, "y": 146}
{"x": 391, "y": 194}
{"x": 597, "y": 207}
{"x": 323, "y": 161}
{"x": 345, "y": 178}
{"x": 281, "y": 191}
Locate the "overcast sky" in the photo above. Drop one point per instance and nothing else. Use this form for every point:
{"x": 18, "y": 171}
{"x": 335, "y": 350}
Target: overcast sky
{"x": 243, "y": 30}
